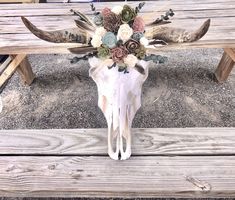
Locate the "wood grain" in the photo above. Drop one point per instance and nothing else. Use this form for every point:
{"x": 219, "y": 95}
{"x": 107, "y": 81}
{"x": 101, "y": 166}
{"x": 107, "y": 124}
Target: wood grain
{"x": 11, "y": 68}
{"x": 224, "y": 68}
{"x": 231, "y": 53}
{"x": 16, "y": 39}
{"x": 172, "y": 141}
{"x": 157, "y": 176}
{"x": 26, "y": 72}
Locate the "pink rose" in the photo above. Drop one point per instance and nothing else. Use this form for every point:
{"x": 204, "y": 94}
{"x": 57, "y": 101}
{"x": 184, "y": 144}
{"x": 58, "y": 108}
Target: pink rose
{"x": 106, "y": 11}
{"x": 119, "y": 53}
{"x": 138, "y": 25}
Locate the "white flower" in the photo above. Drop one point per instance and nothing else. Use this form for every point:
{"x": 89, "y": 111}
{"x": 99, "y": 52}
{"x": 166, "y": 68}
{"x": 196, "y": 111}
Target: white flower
{"x": 100, "y": 31}
{"x": 117, "y": 10}
{"x": 144, "y": 41}
{"x": 96, "y": 41}
{"x": 130, "y": 60}
{"x": 124, "y": 32}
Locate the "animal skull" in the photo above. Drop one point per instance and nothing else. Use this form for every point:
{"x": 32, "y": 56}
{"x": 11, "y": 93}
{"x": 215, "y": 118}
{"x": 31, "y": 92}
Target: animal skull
{"x": 119, "y": 93}
{"x": 119, "y": 97}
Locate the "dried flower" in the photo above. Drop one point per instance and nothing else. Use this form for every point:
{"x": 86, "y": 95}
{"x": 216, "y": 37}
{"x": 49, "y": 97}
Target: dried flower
{"x": 96, "y": 41}
{"x": 138, "y": 25}
{"x": 144, "y": 41}
{"x": 140, "y": 52}
{"x": 124, "y": 32}
{"x": 112, "y": 22}
{"x": 137, "y": 36}
{"x": 130, "y": 60}
{"x": 106, "y": 11}
{"x": 131, "y": 45}
{"x": 119, "y": 53}
{"x": 100, "y": 31}
{"x": 98, "y": 20}
{"x": 109, "y": 40}
{"x": 117, "y": 10}
{"x": 128, "y": 14}
{"x": 103, "y": 52}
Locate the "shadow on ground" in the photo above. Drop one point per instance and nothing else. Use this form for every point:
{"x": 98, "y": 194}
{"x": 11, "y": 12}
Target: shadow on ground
{"x": 179, "y": 93}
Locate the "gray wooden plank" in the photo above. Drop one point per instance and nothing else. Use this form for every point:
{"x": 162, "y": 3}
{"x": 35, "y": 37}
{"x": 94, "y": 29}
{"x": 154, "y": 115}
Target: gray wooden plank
{"x": 161, "y": 6}
{"x": 16, "y": 39}
{"x": 153, "y": 5}
{"x": 159, "y": 141}
{"x": 198, "y": 176}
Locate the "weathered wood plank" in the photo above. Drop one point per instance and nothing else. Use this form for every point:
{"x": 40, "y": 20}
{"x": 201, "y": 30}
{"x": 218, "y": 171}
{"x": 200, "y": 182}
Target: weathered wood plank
{"x": 16, "y": 39}
{"x": 4, "y": 65}
{"x": 26, "y": 72}
{"x": 16, "y": 1}
{"x": 198, "y": 176}
{"x": 231, "y": 53}
{"x": 179, "y": 141}
{"x": 153, "y": 5}
{"x": 219, "y": 25}
{"x": 11, "y": 68}
{"x": 224, "y": 68}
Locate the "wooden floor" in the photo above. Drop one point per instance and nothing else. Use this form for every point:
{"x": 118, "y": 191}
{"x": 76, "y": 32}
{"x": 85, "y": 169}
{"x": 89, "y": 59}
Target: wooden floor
{"x": 73, "y": 163}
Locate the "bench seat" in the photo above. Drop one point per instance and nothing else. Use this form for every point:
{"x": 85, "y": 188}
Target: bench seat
{"x": 16, "y": 39}
{"x": 182, "y": 162}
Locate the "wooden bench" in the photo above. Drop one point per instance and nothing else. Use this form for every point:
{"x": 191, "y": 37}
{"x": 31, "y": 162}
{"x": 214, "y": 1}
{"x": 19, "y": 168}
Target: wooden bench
{"x": 74, "y": 163}
{"x": 196, "y": 162}
{"x": 16, "y": 40}
{"x": 24, "y": 65}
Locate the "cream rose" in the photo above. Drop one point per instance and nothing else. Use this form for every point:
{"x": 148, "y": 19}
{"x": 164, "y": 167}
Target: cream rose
{"x": 144, "y": 41}
{"x": 117, "y": 10}
{"x": 124, "y": 32}
{"x": 100, "y": 31}
{"x": 96, "y": 41}
{"x": 130, "y": 60}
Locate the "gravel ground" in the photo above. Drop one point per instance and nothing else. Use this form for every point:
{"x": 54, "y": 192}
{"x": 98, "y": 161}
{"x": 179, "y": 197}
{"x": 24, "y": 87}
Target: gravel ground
{"x": 179, "y": 93}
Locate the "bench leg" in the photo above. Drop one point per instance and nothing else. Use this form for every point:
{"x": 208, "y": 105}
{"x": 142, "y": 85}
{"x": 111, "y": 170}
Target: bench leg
{"x": 26, "y": 72}
{"x": 226, "y": 65}
{"x": 18, "y": 61}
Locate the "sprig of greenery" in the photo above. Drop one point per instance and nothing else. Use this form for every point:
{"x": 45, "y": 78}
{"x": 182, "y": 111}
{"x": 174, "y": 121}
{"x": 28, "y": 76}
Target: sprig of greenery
{"x": 94, "y": 9}
{"x": 164, "y": 18}
{"x": 167, "y": 15}
{"x": 85, "y": 57}
{"x": 156, "y": 58}
{"x": 139, "y": 7}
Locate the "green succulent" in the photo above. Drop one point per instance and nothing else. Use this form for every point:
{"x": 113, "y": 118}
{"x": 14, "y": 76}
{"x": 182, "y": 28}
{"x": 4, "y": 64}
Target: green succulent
{"x": 128, "y": 14}
{"x": 103, "y": 52}
{"x": 140, "y": 52}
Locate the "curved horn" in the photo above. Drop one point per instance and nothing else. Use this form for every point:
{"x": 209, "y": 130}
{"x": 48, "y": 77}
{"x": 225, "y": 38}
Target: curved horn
{"x": 175, "y": 35}
{"x": 74, "y": 35}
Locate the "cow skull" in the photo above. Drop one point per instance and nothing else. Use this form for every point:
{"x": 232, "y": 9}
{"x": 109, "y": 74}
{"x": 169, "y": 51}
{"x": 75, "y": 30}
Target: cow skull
{"x": 119, "y": 97}
{"x": 119, "y": 93}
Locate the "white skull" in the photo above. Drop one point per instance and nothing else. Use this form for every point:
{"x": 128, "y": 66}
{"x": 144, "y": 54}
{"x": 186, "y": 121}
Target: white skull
{"x": 119, "y": 99}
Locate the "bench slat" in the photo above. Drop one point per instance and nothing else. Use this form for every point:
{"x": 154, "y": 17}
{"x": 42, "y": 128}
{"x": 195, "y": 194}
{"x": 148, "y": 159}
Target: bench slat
{"x": 172, "y": 141}
{"x": 16, "y": 39}
{"x": 153, "y": 5}
{"x": 183, "y": 176}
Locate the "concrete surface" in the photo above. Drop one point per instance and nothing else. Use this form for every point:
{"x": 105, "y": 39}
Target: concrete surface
{"x": 179, "y": 93}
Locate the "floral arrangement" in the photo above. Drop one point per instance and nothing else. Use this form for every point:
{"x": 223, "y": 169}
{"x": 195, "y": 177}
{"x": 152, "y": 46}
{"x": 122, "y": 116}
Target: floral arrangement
{"x": 119, "y": 36}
